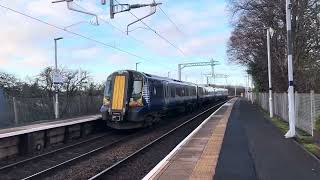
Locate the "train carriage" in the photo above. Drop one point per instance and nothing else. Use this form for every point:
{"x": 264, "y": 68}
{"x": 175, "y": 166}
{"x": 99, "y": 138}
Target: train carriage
{"x": 134, "y": 99}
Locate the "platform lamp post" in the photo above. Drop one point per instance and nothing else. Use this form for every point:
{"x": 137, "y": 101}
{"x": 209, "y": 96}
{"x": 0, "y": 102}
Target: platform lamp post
{"x": 292, "y": 129}
{"x": 55, "y": 79}
{"x": 235, "y": 89}
{"x": 137, "y": 65}
{"x": 270, "y": 32}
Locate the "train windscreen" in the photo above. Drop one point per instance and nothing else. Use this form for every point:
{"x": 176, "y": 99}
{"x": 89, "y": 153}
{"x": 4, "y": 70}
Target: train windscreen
{"x": 137, "y": 89}
{"x": 107, "y": 89}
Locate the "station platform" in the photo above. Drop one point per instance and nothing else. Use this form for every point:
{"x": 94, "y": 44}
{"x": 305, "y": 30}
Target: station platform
{"x": 8, "y": 132}
{"x": 35, "y": 138}
{"x": 237, "y": 142}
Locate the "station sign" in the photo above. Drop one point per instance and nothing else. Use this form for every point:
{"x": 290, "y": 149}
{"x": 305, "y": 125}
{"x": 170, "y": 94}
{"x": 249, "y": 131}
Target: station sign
{"x": 57, "y": 78}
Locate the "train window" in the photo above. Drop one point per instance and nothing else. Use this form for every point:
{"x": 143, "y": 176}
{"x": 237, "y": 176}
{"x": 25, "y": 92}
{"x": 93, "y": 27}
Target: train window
{"x": 158, "y": 91}
{"x": 178, "y": 91}
{"x": 137, "y": 90}
{"x": 172, "y": 92}
{"x": 154, "y": 91}
{"x": 107, "y": 89}
{"x": 194, "y": 91}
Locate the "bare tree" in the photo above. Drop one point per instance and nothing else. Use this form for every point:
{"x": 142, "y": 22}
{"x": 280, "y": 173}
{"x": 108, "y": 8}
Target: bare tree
{"x": 247, "y": 44}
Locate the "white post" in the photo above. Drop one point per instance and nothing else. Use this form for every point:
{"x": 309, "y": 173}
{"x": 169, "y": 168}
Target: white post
{"x": 269, "y": 74}
{"x": 56, "y": 73}
{"x": 312, "y": 104}
{"x": 251, "y": 92}
{"x": 292, "y": 127}
{"x": 179, "y": 72}
{"x": 56, "y": 107}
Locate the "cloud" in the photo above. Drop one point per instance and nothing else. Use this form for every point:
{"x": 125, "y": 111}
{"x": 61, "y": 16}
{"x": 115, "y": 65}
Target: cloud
{"x": 85, "y": 53}
{"x": 117, "y": 59}
{"x": 204, "y": 46}
{"x": 27, "y": 43}
{"x": 197, "y": 32}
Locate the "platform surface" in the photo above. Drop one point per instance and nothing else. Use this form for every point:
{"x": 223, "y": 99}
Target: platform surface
{"x": 197, "y": 155}
{"x": 8, "y": 132}
{"x": 237, "y": 142}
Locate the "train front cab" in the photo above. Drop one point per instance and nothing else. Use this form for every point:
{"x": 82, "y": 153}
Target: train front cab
{"x": 123, "y": 103}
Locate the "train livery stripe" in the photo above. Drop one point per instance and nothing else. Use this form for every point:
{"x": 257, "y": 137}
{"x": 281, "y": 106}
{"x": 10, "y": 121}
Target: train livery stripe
{"x": 118, "y": 92}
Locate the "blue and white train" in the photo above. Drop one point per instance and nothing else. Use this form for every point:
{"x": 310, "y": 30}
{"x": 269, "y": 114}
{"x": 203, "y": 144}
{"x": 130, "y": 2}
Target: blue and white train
{"x": 135, "y": 99}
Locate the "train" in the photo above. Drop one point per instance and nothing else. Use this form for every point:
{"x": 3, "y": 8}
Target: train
{"x": 134, "y": 99}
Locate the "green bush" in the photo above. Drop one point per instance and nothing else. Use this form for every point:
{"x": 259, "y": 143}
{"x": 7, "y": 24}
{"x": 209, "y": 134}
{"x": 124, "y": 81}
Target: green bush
{"x": 318, "y": 123}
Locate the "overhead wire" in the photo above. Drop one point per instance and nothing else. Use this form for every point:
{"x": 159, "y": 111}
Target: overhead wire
{"x": 117, "y": 28}
{"x": 72, "y": 32}
{"x": 176, "y": 26}
{"x": 75, "y": 33}
{"x": 107, "y": 22}
{"x": 153, "y": 30}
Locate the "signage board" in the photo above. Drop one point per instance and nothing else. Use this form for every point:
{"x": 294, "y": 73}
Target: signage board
{"x": 57, "y": 78}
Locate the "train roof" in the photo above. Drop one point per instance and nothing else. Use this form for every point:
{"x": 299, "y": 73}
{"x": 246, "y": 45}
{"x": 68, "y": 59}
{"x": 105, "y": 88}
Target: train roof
{"x": 160, "y": 78}
{"x": 170, "y": 80}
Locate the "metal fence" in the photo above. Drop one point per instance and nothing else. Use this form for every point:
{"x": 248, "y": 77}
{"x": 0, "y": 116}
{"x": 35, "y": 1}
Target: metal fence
{"x": 307, "y": 107}
{"x": 17, "y": 111}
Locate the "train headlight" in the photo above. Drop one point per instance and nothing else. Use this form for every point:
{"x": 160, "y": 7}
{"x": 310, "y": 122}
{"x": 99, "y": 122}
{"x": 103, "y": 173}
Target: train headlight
{"x": 135, "y": 103}
{"x": 106, "y": 101}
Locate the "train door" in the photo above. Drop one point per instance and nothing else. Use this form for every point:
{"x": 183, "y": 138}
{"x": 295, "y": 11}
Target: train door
{"x": 157, "y": 94}
{"x": 166, "y": 94}
{"x": 119, "y": 96}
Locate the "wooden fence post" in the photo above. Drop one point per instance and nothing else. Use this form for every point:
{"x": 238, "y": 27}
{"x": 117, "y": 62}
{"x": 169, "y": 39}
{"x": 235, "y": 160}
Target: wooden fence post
{"x": 15, "y": 110}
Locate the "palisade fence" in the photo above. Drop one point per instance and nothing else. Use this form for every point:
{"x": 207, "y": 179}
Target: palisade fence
{"x": 16, "y": 111}
{"x": 307, "y": 107}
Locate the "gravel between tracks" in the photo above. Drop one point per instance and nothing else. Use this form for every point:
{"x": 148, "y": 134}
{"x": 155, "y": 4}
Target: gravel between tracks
{"x": 23, "y": 170}
{"x": 95, "y": 164}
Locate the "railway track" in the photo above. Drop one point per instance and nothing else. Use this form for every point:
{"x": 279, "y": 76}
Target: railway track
{"x": 12, "y": 165}
{"x": 59, "y": 158}
{"x": 104, "y": 173}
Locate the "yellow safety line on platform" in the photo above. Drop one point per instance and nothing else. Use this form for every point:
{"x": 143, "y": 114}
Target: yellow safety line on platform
{"x": 206, "y": 165}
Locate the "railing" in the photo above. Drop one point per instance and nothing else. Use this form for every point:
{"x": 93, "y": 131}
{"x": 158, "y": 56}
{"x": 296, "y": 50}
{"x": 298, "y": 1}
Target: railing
{"x": 16, "y": 111}
{"x": 307, "y": 107}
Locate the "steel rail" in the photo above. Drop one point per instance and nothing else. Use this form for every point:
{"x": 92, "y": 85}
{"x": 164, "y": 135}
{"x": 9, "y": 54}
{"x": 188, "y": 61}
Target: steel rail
{"x": 52, "y": 152}
{"x": 48, "y": 170}
{"x": 102, "y": 173}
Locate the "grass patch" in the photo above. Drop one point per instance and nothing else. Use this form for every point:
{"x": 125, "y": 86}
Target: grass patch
{"x": 302, "y": 138}
{"x": 312, "y": 148}
{"x": 282, "y": 125}
{"x": 305, "y": 139}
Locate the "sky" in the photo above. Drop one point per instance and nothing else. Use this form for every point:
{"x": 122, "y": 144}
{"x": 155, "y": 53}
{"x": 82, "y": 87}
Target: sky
{"x": 199, "y": 33}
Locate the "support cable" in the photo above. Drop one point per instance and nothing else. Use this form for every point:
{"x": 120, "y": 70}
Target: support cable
{"x": 115, "y": 27}
{"x": 173, "y": 45}
{"x": 175, "y": 25}
{"x": 75, "y": 33}
{"x": 72, "y": 32}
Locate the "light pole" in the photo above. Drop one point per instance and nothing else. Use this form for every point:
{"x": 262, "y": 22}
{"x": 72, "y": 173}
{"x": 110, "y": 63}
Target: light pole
{"x": 292, "y": 131}
{"x": 168, "y": 74}
{"x": 235, "y": 89}
{"x": 56, "y": 75}
{"x": 269, "y": 35}
{"x": 137, "y": 66}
